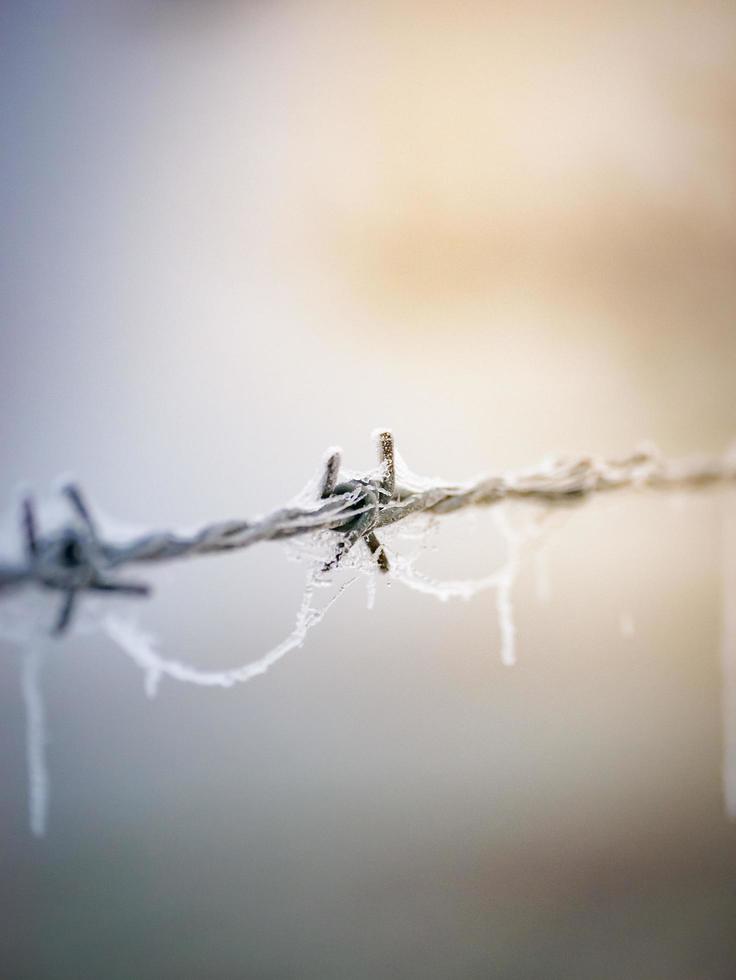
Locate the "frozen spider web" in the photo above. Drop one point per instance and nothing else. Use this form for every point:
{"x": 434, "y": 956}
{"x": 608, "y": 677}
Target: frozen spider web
{"x": 25, "y": 619}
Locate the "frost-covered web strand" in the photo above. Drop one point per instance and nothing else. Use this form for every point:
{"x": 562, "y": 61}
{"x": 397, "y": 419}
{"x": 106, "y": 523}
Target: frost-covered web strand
{"x": 728, "y": 653}
{"x": 141, "y": 648}
{"x": 501, "y": 579}
{"x": 38, "y": 780}
{"x": 505, "y": 586}
{"x": 403, "y": 571}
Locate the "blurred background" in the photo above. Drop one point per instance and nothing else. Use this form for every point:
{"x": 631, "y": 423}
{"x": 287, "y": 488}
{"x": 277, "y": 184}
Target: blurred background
{"x": 236, "y": 233}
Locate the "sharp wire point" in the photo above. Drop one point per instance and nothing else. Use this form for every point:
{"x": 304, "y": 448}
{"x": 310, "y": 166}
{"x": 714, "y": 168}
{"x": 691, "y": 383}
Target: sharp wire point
{"x": 66, "y": 612}
{"x": 377, "y": 550}
{"x": 125, "y": 588}
{"x": 387, "y": 457}
{"x": 30, "y": 531}
{"x": 331, "y": 473}
{"x": 76, "y": 498}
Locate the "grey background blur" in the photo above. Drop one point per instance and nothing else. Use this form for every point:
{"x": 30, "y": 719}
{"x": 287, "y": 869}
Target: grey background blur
{"x": 237, "y": 233}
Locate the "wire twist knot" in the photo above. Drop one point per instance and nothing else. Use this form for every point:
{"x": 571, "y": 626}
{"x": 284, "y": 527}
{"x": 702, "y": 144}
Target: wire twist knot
{"x": 370, "y": 496}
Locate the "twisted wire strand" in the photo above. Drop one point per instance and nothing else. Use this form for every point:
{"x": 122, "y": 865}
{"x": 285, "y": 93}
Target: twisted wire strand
{"x": 76, "y": 558}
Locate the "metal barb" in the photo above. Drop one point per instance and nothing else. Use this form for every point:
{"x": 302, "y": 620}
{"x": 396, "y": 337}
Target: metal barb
{"x": 371, "y": 497}
{"x": 71, "y": 560}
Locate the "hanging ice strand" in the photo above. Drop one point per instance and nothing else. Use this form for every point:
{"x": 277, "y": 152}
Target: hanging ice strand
{"x": 728, "y": 652}
{"x": 38, "y": 778}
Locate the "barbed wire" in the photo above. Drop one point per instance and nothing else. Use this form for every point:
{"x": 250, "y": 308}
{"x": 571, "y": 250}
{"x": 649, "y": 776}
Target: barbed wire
{"x": 76, "y": 558}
